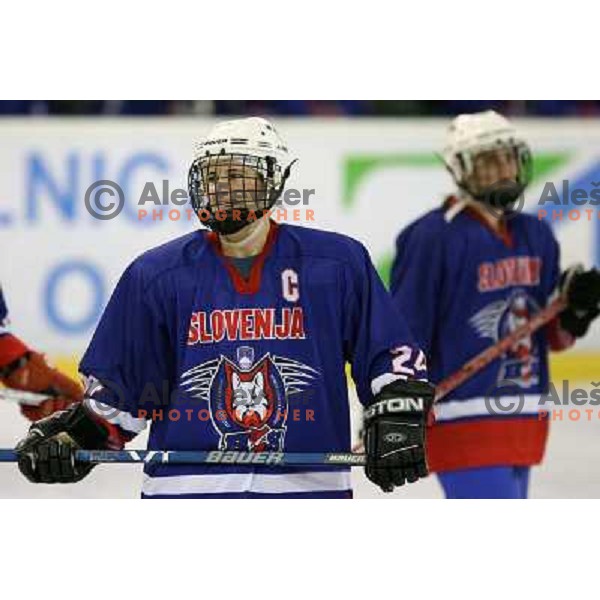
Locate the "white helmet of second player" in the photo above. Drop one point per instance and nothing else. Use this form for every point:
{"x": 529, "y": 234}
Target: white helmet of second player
{"x": 470, "y": 135}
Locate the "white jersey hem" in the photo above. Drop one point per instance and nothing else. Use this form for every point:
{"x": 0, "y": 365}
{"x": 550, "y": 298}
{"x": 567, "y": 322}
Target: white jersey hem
{"x": 258, "y": 483}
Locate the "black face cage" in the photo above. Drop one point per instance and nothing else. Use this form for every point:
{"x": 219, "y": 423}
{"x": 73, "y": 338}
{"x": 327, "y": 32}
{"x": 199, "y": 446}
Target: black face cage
{"x": 225, "y": 188}
{"x": 523, "y": 160}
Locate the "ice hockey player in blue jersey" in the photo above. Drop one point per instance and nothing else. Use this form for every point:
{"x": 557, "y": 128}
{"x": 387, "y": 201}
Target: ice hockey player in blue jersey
{"x": 237, "y": 338}
{"x": 467, "y": 274}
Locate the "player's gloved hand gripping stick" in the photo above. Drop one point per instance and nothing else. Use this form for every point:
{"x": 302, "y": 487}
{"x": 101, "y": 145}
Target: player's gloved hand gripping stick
{"x": 63, "y": 447}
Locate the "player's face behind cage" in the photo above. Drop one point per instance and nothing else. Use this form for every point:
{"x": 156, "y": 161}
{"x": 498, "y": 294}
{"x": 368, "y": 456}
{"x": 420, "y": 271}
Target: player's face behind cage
{"x": 493, "y": 166}
{"x": 231, "y": 190}
{"x": 499, "y": 175}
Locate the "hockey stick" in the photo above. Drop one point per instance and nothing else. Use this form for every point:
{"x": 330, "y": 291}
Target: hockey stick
{"x": 28, "y": 398}
{"x": 215, "y": 457}
{"x": 483, "y": 359}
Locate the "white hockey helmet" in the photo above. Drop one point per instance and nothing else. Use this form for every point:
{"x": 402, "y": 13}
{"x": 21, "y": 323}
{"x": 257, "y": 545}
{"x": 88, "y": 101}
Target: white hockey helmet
{"x": 472, "y": 134}
{"x": 252, "y": 143}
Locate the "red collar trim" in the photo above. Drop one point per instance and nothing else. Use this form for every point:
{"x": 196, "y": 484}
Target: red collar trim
{"x": 502, "y": 232}
{"x": 252, "y": 284}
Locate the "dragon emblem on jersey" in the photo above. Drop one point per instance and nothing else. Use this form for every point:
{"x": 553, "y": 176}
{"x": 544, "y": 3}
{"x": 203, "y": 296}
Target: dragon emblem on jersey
{"x": 499, "y": 319}
{"x": 248, "y": 399}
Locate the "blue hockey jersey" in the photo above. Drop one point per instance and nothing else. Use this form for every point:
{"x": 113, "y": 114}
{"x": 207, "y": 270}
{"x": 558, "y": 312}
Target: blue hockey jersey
{"x": 216, "y": 361}
{"x": 462, "y": 286}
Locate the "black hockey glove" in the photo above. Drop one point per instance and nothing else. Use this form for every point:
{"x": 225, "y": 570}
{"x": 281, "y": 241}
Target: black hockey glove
{"x": 582, "y": 291}
{"x": 47, "y": 453}
{"x": 394, "y": 433}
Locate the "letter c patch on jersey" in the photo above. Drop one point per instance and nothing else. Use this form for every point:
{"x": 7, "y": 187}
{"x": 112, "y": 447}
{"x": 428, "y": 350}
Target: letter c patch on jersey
{"x": 290, "y": 285}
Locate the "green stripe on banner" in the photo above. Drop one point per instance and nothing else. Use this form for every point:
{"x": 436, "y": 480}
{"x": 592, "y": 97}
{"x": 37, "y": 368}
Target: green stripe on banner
{"x": 356, "y": 167}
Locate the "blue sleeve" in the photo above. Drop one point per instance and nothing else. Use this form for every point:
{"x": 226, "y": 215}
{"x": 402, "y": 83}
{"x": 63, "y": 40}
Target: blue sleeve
{"x": 3, "y": 314}
{"x": 379, "y": 344}
{"x": 551, "y": 267}
{"x": 416, "y": 280}
{"x": 128, "y": 361}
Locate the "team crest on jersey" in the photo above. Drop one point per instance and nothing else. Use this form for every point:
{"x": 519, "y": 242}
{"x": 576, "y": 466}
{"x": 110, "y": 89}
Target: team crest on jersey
{"x": 248, "y": 399}
{"x": 499, "y": 319}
